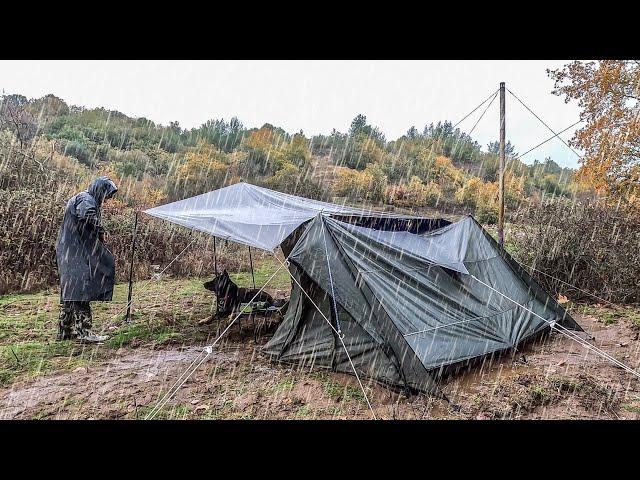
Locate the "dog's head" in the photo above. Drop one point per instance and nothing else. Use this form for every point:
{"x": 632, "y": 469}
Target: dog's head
{"x": 219, "y": 284}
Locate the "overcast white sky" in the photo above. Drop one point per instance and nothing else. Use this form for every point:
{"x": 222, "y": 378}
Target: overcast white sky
{"x": 313, "y": 96}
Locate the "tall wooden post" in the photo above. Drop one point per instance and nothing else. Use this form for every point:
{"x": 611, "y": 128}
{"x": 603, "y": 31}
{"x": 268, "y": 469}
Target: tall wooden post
{"x": 501, "y": 171}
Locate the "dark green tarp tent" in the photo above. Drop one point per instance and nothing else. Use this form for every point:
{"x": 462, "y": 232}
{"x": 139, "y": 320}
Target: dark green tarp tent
{"x": 411, "y": 297}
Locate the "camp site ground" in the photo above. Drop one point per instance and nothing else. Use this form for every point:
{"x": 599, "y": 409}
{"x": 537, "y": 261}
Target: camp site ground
{"x": 409, "y": 243}
{"x": 124, "y": 378}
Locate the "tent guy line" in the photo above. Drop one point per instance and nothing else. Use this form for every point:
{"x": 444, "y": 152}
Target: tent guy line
{"x": 544, "y": 123}
{"x": 340, "y": 336}
{"x": 563, "y": 331}
{"x": 208, "y": 350}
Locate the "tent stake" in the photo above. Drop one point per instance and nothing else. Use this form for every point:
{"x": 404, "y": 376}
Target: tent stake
{"x": 133, "y": 252}
{"x": 252, "y": 275}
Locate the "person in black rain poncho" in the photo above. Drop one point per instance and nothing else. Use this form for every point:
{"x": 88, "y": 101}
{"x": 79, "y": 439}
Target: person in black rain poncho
{"x": 85, "y": 265}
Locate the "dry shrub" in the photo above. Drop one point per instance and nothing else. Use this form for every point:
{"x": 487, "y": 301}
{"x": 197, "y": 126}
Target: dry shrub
{"x": 592, "y": 246}
{"x": 34, "y": 187}
{"x": 414, "y": 194}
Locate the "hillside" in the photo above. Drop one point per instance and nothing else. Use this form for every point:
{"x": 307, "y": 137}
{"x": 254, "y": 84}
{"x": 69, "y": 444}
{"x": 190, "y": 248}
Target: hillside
{"x": 50, "y": 150}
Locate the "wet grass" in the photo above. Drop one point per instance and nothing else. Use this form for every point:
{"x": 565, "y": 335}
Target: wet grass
{"x": 340, "y": 392}
{"x": 164, "y": 312}
{"x": 527, "y": 393}
{"x": 611, "y": 314}
{"x": 31, "y": 359}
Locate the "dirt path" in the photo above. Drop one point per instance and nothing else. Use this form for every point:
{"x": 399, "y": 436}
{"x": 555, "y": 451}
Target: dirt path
{"x": 558, "y": 380}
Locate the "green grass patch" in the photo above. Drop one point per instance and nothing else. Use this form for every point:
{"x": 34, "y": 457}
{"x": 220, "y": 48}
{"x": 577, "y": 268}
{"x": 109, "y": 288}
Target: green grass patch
{"x": 36, "y": 358}
{"x": 340, "y": 392}
{"x": 632, "y": 408}
{"x": 612, "y": 314}
{"x": 304, "y": 411}
{"x": 141, "y": 332}
{"x": 262, "y": 272}
{"x": 284, "y": 385}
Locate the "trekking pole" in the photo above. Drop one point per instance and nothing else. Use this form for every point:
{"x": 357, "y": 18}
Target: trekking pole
{"x": 133, "y": 252}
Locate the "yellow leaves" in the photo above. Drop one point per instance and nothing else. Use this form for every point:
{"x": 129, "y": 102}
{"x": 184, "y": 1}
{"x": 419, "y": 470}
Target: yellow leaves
{"x": 608, "y": 93}
{"x": 201, "y": 162}
{"x": 420, "y": 194}
{"x": 369, "y": 184}
{"x": 261, "y": 140}
{"x": 155, "y": 196}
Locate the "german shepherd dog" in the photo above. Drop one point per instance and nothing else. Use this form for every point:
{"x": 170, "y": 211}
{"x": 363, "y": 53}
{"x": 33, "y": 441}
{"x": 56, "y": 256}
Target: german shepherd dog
{"x": 230, "y": 296}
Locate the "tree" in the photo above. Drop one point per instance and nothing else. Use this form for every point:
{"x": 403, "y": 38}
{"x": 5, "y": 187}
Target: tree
{"x": 203, "y": 169}
{"x": 15, "y": 117}
{"x": 509, "y": 150}
{"x": 48, "y": 108}
{"x": 358, "y": 125}
{"x": 608, "y": 93}
{"x": 175, "y": 127}
{"x": 451, "y": 142}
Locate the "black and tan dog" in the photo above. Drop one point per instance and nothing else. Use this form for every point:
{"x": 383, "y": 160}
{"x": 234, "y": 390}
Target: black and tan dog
{"x": 230, "y": 296}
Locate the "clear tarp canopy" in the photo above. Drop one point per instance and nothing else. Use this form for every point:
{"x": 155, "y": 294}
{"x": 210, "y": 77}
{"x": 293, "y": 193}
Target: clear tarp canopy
{"x": 250, "y": 215}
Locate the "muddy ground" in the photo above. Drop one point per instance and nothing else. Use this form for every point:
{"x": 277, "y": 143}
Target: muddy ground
{"x": 124, "y": 379}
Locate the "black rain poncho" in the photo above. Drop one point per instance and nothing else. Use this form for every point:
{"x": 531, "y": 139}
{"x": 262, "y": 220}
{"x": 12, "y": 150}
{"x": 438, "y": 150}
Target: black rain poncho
{"x": 85, "y": 265}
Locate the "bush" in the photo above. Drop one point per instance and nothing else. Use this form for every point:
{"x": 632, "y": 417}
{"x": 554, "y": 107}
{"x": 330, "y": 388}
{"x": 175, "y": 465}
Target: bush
{"x": 79, "y": 151}
{"x": 414, "y": 194}
{"x": 370, "y": 184}
{"x": 291, "y": 180}
{"x": 591, "y": 246}
{"x": 486, "y": 215}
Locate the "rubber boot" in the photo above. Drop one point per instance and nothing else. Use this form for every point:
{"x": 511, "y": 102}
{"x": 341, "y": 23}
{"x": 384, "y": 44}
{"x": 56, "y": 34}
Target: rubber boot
{"x": 83, "y": 322}
{"x": 87, "y": 336}
{"x": 65, "y": 324}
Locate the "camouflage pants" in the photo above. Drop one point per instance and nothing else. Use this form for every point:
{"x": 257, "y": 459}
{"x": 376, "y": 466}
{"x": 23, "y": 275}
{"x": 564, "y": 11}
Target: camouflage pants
{"x": 74, "y": 316}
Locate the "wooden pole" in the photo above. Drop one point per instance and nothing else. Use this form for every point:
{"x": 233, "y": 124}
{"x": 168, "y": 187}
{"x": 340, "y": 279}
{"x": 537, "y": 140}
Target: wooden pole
{"x": 251, "y": 263}
{"x": 133, "y": 253}
{"x": 501, "y": 171}
{"x": 215, "y": 258}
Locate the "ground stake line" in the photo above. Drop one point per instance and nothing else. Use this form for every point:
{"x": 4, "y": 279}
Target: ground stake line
{"x": 208, "y": 350}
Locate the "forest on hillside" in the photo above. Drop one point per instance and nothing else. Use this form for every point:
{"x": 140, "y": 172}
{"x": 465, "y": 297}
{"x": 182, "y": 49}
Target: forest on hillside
{"x": 49, "y": 150}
